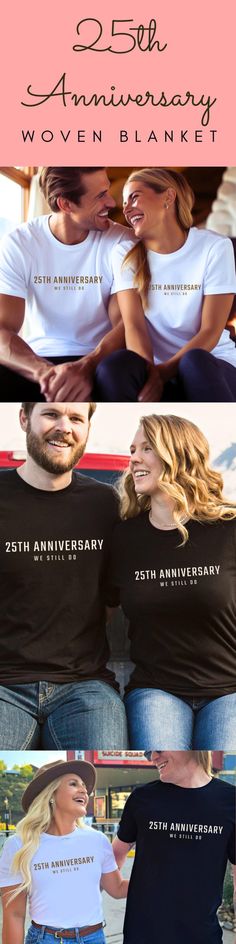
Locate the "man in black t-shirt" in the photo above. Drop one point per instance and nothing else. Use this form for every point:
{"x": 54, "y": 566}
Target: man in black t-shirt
{"x": 184, "y": 829}
{"x": 55, "y": 689}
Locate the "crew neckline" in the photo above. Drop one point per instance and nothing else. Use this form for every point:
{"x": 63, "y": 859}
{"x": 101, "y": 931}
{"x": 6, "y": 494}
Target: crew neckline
{"x": 177, "y": 252}
{"x": 165, "y": 530}
{"x": 66, "y": 247}
{"x": 43, "y": 491}
{"x": 65, "y": 835}
{"x": 177, "y": 786}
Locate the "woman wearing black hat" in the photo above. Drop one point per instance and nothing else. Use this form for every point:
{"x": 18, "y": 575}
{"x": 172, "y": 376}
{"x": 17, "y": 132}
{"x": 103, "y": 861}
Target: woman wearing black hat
{"x": 58, "y": 861}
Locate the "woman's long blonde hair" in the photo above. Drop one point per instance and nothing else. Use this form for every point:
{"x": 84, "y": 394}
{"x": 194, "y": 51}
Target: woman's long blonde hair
{"x": 158, "y": 179}
{"x": 204, "y": 759}
{"x": 186, "y": 476}
{"x": 30, "y": 828}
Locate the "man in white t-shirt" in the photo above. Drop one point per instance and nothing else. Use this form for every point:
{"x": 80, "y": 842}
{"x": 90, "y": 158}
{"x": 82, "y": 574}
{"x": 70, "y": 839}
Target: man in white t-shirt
{"x": 65, "y": 271}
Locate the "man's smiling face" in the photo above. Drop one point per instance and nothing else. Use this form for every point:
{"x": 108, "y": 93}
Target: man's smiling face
{"x": 95, "y": 204}
{"x": 172, "y": 765}
{"x": 56, "y": 434}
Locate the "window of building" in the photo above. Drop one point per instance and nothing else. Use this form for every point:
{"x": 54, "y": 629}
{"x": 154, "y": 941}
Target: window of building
{"x": 118, "y": 799}
{"x": 14, "y": 195}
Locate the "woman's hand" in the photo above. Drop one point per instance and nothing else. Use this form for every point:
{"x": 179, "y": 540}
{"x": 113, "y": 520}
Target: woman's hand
{"x": 215, "y": 310}
{"x": 68, "y": 382}
{"x": 153, "y": 388}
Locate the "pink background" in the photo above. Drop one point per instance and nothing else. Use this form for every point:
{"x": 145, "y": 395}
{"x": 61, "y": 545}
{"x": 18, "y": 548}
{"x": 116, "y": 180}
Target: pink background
{"x": 37, "y": 49}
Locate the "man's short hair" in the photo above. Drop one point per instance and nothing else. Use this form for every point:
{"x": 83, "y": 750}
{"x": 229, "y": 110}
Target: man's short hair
{"x": 64, "y": 182}
{"x": 29, "y": 406}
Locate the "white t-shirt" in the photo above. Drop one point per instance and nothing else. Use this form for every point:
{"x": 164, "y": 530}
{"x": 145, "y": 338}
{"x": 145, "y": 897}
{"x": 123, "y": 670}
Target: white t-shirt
{"x": 179, "y": 280}
{"x": 66, "y": 288}
{"x": 66, "y": 873}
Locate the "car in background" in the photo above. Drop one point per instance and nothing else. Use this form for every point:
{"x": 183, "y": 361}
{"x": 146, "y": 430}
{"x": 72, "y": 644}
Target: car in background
{"x": 105, "y": 467}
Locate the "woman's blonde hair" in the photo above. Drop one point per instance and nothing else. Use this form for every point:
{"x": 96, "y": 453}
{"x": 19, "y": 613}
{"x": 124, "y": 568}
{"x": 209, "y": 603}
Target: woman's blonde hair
{"x": 186, "y": 476}
{"x": 204, "y": 759}
{"x": 30, "y": 828}
{"x": 158, "y": 179}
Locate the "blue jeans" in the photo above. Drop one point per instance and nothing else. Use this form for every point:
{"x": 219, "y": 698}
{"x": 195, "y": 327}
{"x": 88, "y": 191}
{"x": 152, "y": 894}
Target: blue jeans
{"x": 201, "y": 377}
{"x": 39, "y": 936}
{"x": 206, "y": 378}
{"x": 80, "y": 715}
{"x": 121, "y": 376}
{"x": 161, "y": 721}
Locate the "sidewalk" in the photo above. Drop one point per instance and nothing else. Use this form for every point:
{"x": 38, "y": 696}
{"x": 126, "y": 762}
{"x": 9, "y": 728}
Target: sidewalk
{"x": 114, "y": 911}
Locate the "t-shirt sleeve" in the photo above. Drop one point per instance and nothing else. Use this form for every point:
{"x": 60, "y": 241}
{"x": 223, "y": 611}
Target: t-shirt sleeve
{"x": 127, "y": 831}
{"x": 123, "y": 277}
{"x": 13, "y": 274}
{"x": 220, "y": 275}
{"x": 108, "y": 859}
{"x": 7, "y": 876}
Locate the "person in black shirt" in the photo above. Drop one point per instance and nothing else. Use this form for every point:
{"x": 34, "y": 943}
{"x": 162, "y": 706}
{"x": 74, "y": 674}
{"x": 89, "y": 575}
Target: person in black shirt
{"x": 174, "y": 560}
{"x": 184, "y": 829}
{"x": 55, "y": 689}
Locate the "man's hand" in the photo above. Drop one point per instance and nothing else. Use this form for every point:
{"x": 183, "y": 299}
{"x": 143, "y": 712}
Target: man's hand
{"x": 153, "y": 388}
{"x": 43, "y": 369}
{"x": 68, "y": 382}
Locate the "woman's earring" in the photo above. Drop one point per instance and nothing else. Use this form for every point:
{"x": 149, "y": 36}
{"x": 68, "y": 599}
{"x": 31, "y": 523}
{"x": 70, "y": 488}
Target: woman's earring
{"x": 166, "y": 205}
{"x": 51, "y": 804}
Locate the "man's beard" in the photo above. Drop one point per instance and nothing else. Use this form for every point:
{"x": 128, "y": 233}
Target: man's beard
{"x": 38, "y": 451}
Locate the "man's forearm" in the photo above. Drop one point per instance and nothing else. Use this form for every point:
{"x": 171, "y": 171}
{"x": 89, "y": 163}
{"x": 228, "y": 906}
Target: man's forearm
{"x": 122, "y": 891}
{"x": 16, "y": 354}
{"x": 120, "y": 850}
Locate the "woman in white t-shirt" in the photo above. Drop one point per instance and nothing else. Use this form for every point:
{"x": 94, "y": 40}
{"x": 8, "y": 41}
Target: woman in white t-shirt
{"x": 58, "y": 862}
{"x": 186, "y": 279}
{"x": 174, "y": 563}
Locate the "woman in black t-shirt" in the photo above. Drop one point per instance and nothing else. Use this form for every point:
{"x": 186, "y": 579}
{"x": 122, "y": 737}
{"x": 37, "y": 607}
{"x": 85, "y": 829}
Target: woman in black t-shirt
{"x": 175, "y": 564}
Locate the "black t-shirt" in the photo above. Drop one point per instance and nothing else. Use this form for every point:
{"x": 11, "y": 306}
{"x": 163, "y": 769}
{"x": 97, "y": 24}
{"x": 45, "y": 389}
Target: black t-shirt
{"x": 181, "y": 603}
{"x": 184, "y": 838}
{"x": 54, "y": 548}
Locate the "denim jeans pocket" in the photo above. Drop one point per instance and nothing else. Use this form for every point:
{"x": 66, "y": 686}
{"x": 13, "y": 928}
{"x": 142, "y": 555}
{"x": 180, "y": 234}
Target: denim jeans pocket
{"x": 34, "y": 935}
{"x": 97, "y": 938}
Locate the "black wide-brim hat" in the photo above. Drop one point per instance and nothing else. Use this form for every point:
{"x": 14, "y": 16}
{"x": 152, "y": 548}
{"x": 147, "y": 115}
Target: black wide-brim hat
{"x": 58, "y": 768}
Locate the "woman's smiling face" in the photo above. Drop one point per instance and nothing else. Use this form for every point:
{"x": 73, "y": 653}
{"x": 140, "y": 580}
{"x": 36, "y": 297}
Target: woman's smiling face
{"x": 143, "y": 207}
{"x": 71, "y": 796}
{"x": 145, "y": 465}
